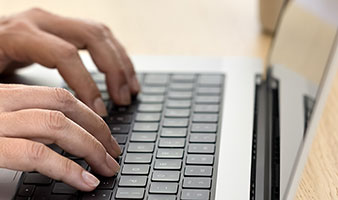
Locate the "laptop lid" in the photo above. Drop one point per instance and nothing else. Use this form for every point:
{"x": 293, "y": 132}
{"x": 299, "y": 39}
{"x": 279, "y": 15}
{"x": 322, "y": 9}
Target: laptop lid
{"x": 302, "y": 59}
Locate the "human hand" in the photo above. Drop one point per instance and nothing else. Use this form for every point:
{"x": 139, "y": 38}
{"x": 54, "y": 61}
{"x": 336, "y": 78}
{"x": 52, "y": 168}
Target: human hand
{"x": 53, "y": 41}
{"x": 31, "y": 116}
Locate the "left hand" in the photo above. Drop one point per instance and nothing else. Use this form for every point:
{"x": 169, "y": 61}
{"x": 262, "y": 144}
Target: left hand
{"x": 53, "y": 41}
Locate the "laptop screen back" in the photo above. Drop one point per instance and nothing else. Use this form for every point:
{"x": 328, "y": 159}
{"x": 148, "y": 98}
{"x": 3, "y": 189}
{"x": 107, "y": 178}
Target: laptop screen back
{"x": 301, "y": 50}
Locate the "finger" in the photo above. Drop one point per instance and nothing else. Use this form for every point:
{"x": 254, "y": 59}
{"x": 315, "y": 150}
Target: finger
{"x": 54, "y": 127}
{"x": 129, "y": 68}
{"x": 105, "y": 54}
{"x": 28, "y": 97}
{"x": 25, "y": 155}
{"x": 33, "y": 45}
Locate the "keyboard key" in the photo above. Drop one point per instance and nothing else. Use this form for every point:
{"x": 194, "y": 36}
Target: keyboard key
{"x": 201, "y": 148}
{"x": 70, "y": 156}
{"x": 36, "y": 178}
{"x": 163, "y": 188}
{"x": 153, "y": 90}
{"x": 62, "y": 188}
{"x": 172, "y": 142}
{"x": 137, "y": 158}
{"x": 141, "y": 147}
{"x": 145, "y": 127}
{"x": 202, "y": 183}
{"x": 169, "y": 176}
{"x": 117, "y": 128}
{"x": 121, "y": 139}
{"x": 151, "y": 98}
{"x": 178, "y": 103}
{"x": 203, "y": 128}
{"x": 41, "y": 192}
{"x": 55, "y": 148}
{"x": 200, "y": 159}
{"x": 106, "y": 182}
{"x": 123, "y": 109}
{"x": 205, "y": 171}
{"x": 150, "y": 107}
{"x": 133, "y": 181}
{"x": 208, "y": 118}
{"x": 161, "y": 197}
{"x": 183, "y": 78}
{"x": 207, "y": 99}
{"x": 174, "y": 132}
{"x": 210, "y": 80}
{"x": 181, "y": 86}
{"x": 156, "y": 79}
{"x": 82, "y": 163}
{"x": 206, "y": 108}
{"x": 148, "y": 117}
{"x": 121, "y": 119}
{"x": 208, "y": 90}
{"x": 169, "y": 153}
{"x": 139, "y": 77}
{"x": 195, "y": 194}
{"x": 135, "y": 169}
{"x": 143, "y": 137}
{"x": 168, "y": 164}
{"x": 179, "y": 95}
{"x": 202, "y": 138}
{"x": 176, "y": 123}
{"x": 26, "y": 190}
{"x": 177, "y": 113}
{"x": 98, "y": 195}
{"x": 129, "y": 193}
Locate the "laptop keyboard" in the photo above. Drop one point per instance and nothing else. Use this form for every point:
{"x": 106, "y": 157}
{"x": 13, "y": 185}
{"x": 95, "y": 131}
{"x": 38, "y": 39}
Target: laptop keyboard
{"x": 169, "y": 139}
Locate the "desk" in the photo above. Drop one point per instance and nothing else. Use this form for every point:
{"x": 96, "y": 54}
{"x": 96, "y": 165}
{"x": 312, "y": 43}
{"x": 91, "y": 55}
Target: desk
{"x": 203, "y": 28}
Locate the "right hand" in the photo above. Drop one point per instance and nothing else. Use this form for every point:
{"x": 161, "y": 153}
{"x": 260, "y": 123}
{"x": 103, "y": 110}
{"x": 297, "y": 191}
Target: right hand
{"x": 32, "y": 116}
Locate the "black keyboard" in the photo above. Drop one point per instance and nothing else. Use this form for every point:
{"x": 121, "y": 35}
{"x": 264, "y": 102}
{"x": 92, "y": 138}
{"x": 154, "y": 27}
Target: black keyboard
{"x": 169, "y": 139}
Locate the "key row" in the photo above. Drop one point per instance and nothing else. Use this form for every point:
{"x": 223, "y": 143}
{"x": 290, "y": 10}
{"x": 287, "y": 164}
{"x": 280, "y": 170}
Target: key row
{"x": 138, "y": 193}
{"x": 168, "y": 151}
{"x": 163, "y": 79}
{"x": 158, "y": 107}
{"x": 165, "y": 141}
{"x": 154, "y": 127}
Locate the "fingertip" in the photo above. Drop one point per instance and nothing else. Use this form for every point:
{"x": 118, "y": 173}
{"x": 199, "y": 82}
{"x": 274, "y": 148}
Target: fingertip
{"x": 124, "y": 95}
{"x": 115, "y": 147}
{"x": 99, "y": 107}
{"x": 112, "y": 164}
{"x": 135, "y": 85}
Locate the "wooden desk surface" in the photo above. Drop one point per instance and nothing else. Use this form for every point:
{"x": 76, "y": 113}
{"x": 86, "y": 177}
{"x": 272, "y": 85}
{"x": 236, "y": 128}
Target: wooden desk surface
{"x": 203, "y": 28}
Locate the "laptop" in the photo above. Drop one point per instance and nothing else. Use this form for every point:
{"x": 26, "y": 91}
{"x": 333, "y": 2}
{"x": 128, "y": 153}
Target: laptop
{"x": 208, "y": 128}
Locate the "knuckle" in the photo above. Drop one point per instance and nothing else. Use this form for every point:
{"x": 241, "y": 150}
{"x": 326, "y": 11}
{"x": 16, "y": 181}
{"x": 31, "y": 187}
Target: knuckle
{"x": 65, "y": 98}
{"x": 99, "y": 31}
{"x": 18, "y": 24}
{"x": 37, "y": 151}
{"x": 68, "y": 51}
{"x": 56, "y": 120}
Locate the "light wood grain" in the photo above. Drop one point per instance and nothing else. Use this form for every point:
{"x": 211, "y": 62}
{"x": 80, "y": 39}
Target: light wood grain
{"x": 203, "y": 28}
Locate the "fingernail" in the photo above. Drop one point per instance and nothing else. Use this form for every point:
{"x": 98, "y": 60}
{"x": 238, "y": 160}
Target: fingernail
{"x": 135, "y": 84}
{"x": 125, "y": 94}
{"x": 99, "y": 107}
{"x": 112, "y": 164}
{"x": 90, "y": 179}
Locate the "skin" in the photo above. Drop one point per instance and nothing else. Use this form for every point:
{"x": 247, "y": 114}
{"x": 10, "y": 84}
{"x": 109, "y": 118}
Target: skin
{"x": 44, "y": 115}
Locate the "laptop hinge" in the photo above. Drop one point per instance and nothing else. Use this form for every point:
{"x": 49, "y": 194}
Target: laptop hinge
{"x": 266, "y": 138}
